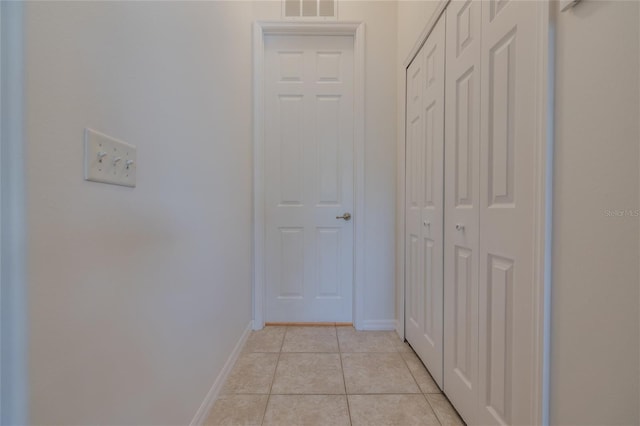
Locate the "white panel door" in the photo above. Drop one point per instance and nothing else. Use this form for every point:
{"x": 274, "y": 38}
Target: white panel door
{"x": 309, "y": 178}
{"x": 424, "y": 232}
{"x": 507, "y": 166}
{"x": 462, "y": 203}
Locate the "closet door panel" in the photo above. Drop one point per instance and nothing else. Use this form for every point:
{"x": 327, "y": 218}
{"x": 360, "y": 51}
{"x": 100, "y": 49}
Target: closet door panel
{"x": 430, "y": 345}
{"x": 509, "y": 46}
{"x": 424, "y": 233}
{"x": 414, "y": 266}
{"x": 461, "y": 224}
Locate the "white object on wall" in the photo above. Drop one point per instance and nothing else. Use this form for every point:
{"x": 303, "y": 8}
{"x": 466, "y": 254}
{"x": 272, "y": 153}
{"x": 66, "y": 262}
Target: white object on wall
{"x": 108, "y": 160}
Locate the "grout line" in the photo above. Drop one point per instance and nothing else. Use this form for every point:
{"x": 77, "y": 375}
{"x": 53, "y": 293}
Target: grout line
{"x": 412, "y": 375}
{"x": 344, "y": 380}
{"x": 273, "y": 378}
{"x": 264, "y": 413}
{"x": 435, "y": 413}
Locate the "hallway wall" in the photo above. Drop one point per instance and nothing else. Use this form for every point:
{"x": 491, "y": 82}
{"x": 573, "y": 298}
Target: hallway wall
{"x": 136, "y": 296}
{"x": 594, "y": 318}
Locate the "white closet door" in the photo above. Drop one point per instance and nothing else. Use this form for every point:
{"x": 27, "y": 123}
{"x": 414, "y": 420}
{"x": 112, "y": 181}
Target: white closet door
{"x": 414, "y": 266}
{"x": 462, "y": 204}
{"x": 425, "y": 154}
{"x": 508, "y": 132}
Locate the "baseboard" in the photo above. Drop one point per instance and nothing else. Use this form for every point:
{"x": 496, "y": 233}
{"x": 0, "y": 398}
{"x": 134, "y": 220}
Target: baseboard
{"x": 212, "y": 395}
{"x": 382, "y": 325}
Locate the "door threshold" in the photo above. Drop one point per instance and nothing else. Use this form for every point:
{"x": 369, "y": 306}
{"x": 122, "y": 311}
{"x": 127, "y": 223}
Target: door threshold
{"x": 310, "y": 324}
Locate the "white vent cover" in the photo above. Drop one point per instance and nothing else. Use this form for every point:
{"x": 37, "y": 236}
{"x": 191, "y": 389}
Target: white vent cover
{"x": 310, "y": 9}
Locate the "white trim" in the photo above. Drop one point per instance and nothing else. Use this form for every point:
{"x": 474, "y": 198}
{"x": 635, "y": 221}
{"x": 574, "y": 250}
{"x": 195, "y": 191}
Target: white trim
{"x": 543, "y": 214}
{"x": 212, "y": 395}
{"x": 442, "y": 5}
{"x": 13, "y": 326}
{"x": 260, "y": 30}
{"x": 379, "y": 325}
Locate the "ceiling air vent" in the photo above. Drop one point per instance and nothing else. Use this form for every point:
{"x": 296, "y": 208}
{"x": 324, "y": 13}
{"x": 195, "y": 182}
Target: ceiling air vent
{"x": 310, "y": 9}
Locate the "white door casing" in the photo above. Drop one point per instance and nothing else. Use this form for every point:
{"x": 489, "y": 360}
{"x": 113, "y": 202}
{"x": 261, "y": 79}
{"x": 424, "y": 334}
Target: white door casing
{"x": 309, "y": 178}
{"x": 424, "y": 208}
{"x": 462, "y": 191}
{"x": 356, "y": 31}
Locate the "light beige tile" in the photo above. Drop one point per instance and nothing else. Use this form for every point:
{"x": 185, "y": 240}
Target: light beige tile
{"x": 310, "y": 339}
{"x": 443, "y": 409}
{"x": 404, "y": 347}
{"x": 269, "y": 339}
{"x": 252, "y": 373}
{"x": 307, "y": 410}
{"x": 399, "y": 344}
{"x": 245, "y": 410}
{"x": 420, "y": 373}
{"x": 302, "y": 373}
{"x": 388, "y": 410}
{"x": 364, "y": 341}
{"x": 377, "y": 373}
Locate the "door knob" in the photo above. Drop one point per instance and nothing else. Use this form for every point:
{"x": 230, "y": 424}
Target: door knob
{"x": 459, "y": 227}
{"x": 346, "y": 216}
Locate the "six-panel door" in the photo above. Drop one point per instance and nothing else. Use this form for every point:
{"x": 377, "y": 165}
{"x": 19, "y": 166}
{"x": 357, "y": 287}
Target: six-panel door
{"x": 507, "y": 296}
{"x": 309, "y": 178}
{"x": 462, "y": 206}
{"x": 424, "y": 218}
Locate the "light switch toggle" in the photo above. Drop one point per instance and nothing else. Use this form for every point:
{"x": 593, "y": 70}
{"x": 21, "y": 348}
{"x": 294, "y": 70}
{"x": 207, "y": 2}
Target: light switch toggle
{"x": 109, "y": 160}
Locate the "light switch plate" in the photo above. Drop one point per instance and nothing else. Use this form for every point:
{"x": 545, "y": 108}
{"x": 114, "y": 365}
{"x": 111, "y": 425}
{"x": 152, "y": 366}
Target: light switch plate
{"x": 108, "y": 160}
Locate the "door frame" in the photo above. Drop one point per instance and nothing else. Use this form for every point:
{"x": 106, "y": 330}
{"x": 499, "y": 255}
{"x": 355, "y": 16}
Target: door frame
{"x": 261, "y": 29}
{"x": 13, "y": 293}
{"x": 543, "y": 193}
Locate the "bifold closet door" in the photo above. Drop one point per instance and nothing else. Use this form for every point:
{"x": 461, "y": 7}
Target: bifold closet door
{"x": 424, "y": 221}
{"x": 507, "y": 238}
{"x": 462, "y": 206}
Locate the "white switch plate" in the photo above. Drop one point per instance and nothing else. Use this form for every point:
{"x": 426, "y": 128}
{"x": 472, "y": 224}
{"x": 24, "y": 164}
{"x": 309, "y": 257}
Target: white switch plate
{"x": 108, "y": 160}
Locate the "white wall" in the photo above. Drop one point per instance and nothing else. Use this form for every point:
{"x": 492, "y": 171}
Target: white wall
{"x": 136, "y": 296}
{"x": 412, "y": 18}
{"x": 594, "y": 325}
{"x": 380, "y": 149}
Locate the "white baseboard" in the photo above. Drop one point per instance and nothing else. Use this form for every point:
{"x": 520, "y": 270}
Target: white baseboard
{"x": 212, "y": 395}
{"x": 379, "y": 325}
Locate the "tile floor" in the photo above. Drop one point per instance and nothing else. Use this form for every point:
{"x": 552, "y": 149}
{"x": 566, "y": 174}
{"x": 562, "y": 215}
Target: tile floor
{"x": 305, "y": 376}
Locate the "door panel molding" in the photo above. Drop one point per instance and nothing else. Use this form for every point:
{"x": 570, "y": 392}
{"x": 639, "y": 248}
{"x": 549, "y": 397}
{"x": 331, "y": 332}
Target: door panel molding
{"x": 262, "y": 29}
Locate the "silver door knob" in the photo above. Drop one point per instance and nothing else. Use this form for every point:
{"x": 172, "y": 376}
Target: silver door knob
{"x": 346, "y": 216}
{"x": 459, "y": 227}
